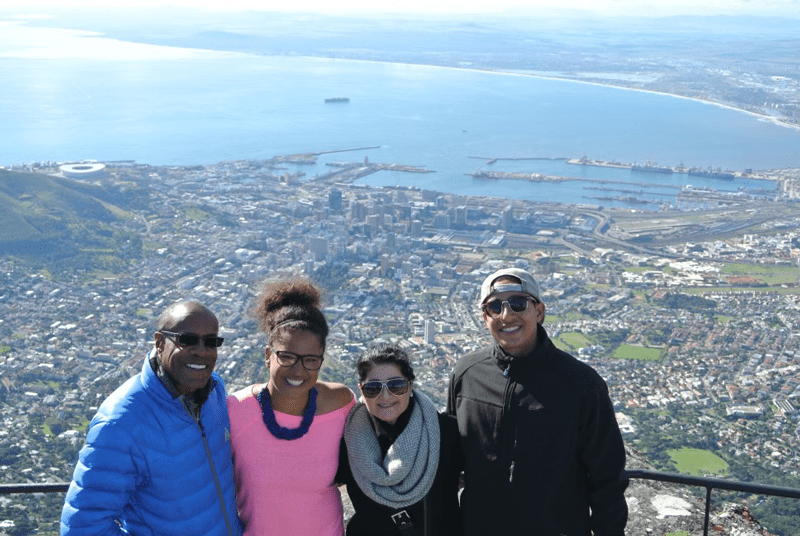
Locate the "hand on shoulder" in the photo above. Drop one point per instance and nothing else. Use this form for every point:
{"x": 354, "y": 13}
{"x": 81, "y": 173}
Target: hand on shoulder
{"x": 332, "y": 396}
{"x": 250, "y": 390}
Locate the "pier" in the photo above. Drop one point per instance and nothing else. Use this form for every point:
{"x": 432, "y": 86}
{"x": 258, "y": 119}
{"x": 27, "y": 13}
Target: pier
{"x": 311, "y": 158}
{"x": 351, "y": 171}
{"x": 538, "y": 177}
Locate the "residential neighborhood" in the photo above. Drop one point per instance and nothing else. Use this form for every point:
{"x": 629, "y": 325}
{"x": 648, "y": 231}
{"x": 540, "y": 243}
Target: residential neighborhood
{"x": 699, "y": 341}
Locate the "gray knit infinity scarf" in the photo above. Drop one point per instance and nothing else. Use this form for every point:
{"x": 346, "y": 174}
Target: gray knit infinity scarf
{"x": 406, "y": 474}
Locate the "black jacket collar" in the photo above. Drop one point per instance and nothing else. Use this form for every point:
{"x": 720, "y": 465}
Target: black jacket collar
{"x": 508, "y": 363}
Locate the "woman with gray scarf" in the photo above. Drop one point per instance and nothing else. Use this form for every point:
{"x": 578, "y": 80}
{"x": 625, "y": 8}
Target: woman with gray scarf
{"x": 402, "y": 459}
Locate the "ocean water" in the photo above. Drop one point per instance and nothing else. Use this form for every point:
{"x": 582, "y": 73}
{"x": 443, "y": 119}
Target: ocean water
{"x": 184, "y": 107}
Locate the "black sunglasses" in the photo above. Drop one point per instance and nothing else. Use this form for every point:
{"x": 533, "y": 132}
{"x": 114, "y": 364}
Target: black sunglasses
{"x": 288, "y": 359}
{"x": 193, "y": 339}
{"x": 515, "y": 303}
{"x": 396, "y": 386}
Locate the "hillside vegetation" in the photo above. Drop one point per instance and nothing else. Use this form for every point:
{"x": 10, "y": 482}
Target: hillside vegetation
{"x": 64, "y": 223}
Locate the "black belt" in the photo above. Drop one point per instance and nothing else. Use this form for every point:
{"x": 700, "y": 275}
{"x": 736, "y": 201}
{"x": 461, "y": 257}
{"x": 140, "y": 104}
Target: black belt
{"x": 404, "y": 524}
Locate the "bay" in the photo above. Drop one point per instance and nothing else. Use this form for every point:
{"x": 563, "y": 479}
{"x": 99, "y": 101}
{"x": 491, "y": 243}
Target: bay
{"x": 203, "y": 107}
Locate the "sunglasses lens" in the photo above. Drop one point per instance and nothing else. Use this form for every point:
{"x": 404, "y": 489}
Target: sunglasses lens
{"x": 494, "y": 307}
{"x": 371, "y": 389}
{"x": 188, "y": 339}
{"x": 397, "y": 387}
{"x": 214, "y": 342}
{"x": 518, "y": 303}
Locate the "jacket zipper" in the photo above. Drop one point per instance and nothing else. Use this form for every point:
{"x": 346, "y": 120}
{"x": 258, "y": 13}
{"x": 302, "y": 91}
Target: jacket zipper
{"x": 513, "y": 456}
{"x": 213, "y": 470}
{"x": 509, "y": 393}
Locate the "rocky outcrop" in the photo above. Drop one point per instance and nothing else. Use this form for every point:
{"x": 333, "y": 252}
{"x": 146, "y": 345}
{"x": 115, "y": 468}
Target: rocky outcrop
{"x": 660, "y": 508}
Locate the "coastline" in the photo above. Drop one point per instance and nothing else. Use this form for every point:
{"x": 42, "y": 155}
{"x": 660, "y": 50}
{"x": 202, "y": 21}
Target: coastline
{"x": 77, "y": 36}
{"x": 757, "y": 115}
{"x": 470, "y": 76}
{"x": 764, "y": 117}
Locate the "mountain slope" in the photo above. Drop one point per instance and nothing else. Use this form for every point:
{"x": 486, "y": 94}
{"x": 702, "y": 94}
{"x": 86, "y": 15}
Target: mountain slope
{"x": 46, "y": 218}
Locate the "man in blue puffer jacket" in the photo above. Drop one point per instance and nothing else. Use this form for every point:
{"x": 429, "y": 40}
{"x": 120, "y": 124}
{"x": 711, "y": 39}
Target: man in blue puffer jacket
{"x": 157, "y": 458}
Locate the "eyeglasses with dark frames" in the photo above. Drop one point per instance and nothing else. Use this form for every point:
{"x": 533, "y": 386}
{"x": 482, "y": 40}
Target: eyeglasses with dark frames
{"x": 192, "y": 339}
{"x": 396, "y": 386}
{"x": 517, "y": 304}
{"x": 288, "y": 359}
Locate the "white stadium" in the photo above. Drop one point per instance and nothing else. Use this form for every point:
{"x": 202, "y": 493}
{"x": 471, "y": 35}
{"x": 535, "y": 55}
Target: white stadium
{"x": 83, "y": 170}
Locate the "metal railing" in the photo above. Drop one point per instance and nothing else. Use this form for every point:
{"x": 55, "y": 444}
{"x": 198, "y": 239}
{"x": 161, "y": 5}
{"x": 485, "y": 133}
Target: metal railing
{"x": 711, "y": 484}
{"x": 645, "y": 474}
{"x": 56, "y": 487}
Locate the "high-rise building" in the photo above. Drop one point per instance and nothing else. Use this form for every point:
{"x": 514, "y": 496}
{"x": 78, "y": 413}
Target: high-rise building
{"x": 430, "y": 331}
{"x": 318, "y": 246}
{"x": 358, "y": 211}
{"x": 335, "y": 200}
{"x": 507, "y": 218}
{"x": 374, "y": 222}
{"x": 461, "y": 216}
{"x": 441, "y": 221}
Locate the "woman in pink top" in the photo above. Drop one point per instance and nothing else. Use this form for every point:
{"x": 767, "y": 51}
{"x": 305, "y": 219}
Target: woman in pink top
{"x": 285, "y": 434}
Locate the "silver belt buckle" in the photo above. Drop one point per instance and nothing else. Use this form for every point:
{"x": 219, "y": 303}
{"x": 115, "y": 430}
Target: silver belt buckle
{"x": 402, "y": 520}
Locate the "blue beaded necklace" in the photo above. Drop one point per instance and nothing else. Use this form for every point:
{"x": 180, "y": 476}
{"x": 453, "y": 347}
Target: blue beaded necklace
{"x": 287, "y": 433}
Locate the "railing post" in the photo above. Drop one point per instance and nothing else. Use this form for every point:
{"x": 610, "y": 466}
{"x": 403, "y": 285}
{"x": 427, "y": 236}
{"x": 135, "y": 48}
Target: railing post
{"x": 708, "y": 510}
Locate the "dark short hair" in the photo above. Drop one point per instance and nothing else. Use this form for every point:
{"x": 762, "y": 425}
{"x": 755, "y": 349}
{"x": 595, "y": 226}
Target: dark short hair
{"x": 383, "y": 354}
{"x": 290, "y": 305}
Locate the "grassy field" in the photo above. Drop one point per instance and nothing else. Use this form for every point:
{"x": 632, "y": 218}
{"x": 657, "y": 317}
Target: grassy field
{"x": 643, "y": 353}
{"x": 570, "y": 341}
{"x": 771, "y": 275}
{"x": 700, "y": 291}
{"x": 698, "y": 462}
{"x": 566, "y": 317}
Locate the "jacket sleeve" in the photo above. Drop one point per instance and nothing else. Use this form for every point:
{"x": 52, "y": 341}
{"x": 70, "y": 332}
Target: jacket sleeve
{"x": 451, "y": 513}
{"x": 343, "y": 474}
{"x": 102, "y": 484}
{"x": 603, "y": 454}
{"x": 451, "y": 396}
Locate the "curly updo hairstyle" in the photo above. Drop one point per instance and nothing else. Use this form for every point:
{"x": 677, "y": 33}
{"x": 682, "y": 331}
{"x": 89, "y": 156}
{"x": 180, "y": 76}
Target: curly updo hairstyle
{"x": 382, "y": 354}
{"x": 290, "y": 305}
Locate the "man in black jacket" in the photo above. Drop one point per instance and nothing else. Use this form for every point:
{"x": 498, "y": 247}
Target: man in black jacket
{"x": 543, "y": 452}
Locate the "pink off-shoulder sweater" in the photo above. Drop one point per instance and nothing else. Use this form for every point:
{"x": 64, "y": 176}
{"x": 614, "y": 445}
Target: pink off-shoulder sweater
{"x": 286, "y": 487}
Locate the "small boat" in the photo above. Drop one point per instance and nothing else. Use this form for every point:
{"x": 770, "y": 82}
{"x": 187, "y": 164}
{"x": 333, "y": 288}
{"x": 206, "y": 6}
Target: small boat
{"x": 337, "y": 99}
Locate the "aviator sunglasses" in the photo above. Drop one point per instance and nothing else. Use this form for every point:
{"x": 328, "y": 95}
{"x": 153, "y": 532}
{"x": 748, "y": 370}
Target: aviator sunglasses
{"x": 192, "y": 339}
{"x": 396, "y": 386}
{"x": 515, "y": 303}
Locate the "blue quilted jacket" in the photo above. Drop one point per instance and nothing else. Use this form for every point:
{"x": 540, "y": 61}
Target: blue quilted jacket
{"x": 149, "y": 467}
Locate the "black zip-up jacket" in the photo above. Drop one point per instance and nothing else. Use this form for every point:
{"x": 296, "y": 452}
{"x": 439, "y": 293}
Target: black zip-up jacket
{"x": 543, "y": 453}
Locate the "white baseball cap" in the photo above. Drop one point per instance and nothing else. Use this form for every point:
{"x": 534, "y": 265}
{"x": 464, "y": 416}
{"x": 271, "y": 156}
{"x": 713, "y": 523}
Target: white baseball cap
{"x": 527, "y": 284}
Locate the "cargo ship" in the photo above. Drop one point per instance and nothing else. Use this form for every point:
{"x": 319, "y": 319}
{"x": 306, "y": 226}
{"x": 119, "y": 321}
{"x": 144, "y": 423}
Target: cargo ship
{"x": 337, "y": 99}
{"x": 651, "y": 168}
{"x": 709, "y": 174}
